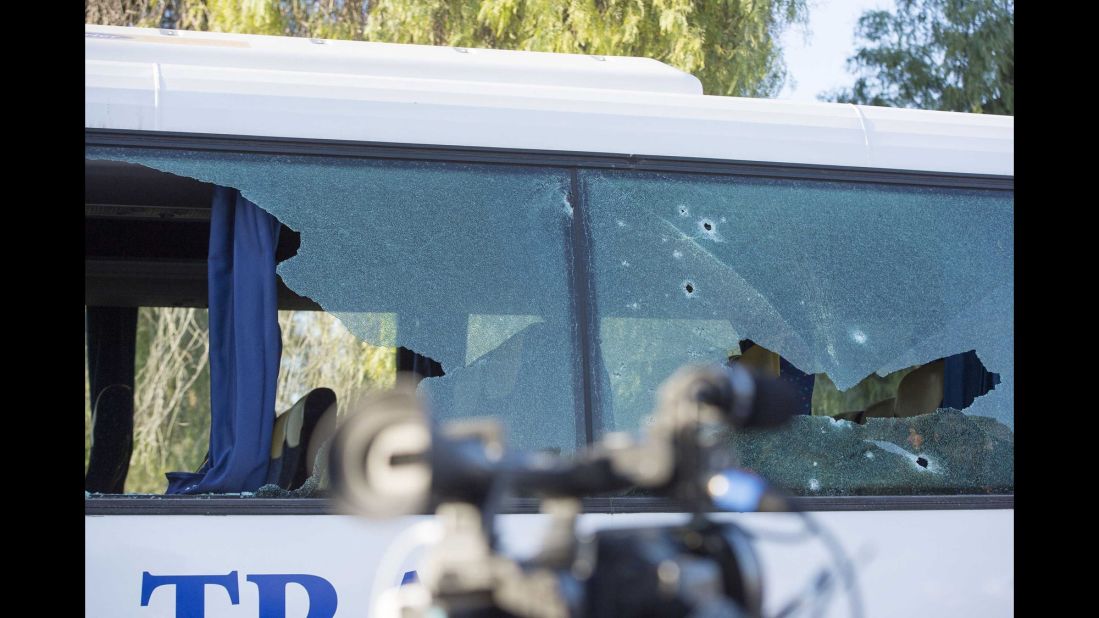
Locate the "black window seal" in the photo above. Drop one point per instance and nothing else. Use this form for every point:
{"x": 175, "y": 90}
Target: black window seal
{"x": 527, "y": 157}
{"x": 103, "y": 505}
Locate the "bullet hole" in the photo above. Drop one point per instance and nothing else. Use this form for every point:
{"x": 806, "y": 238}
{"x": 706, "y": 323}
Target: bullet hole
{"x": 708, "y": 226}
{"x": 689, "y": 287}
{"x": 683, "y": 211}
{"x": 921, "y": 462}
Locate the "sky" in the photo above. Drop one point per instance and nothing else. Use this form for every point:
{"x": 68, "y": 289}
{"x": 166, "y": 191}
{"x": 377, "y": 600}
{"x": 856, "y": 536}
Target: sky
{"x": 816, "y": 56}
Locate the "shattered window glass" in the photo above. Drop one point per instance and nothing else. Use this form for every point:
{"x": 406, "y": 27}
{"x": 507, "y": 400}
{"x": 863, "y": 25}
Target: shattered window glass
{"x": 868, "y": 296}
{"x": 842, "y": 281}
{"x": 466, "y": 264}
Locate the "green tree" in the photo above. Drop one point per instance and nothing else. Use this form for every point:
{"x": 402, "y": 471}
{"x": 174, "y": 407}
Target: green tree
{"x": 329, "y": 19}
{"x": 951, "y": 55}
{"x": 730, "y": 45}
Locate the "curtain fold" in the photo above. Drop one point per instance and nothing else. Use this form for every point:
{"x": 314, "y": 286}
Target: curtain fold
{"x": 245, "y": 346}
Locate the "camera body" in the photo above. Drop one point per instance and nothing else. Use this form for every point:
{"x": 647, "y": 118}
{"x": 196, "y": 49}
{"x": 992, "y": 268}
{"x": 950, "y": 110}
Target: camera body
{"x": 390, "y": 459}
{"x": 700, "y": 569}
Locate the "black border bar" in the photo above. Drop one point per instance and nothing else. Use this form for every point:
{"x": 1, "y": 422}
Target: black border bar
{"x": 551, "y": 158}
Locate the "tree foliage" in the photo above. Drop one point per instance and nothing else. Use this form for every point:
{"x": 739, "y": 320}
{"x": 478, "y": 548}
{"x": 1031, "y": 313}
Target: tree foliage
{"x": 327, "y": 19}
{"x": 730, "y": 45}
{"x": 952, "y": 55}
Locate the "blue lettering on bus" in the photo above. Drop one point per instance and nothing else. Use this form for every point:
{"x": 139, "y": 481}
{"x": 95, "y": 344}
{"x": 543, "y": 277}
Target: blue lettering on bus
{"x": 272, "y": 595}
{"x": 191, "y": 592}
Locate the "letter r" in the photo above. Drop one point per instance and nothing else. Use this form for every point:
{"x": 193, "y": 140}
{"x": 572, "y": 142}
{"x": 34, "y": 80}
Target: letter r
{"x": 272, "y": 594}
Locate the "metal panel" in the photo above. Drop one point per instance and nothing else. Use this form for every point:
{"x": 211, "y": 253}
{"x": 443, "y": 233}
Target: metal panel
{"x": 273, "y": 87}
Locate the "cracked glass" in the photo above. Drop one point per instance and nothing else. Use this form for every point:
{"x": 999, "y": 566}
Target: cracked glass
{"x": 466, "y": 264}
{"x": 854, "y": 286}
{"x": 846, "y": 282}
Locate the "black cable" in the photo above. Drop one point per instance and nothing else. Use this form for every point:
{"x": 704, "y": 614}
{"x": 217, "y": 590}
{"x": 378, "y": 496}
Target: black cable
{"x": 819, "y": 585}
{"x": 840, "y": 558}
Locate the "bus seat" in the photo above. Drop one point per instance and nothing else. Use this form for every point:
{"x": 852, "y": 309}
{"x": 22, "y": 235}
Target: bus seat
{"x": 111, "y": 337}
{"x": 292, "y": 438}
{"x": 759, "y": 358}
{"x": 881, "y": 409}
{"x": 921, "y": 391}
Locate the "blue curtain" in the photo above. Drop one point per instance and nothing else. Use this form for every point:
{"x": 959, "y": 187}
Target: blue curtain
{"x": 965, "y": 379}
{"x": 245, "y": 345}
{"x": 801, "y": 383}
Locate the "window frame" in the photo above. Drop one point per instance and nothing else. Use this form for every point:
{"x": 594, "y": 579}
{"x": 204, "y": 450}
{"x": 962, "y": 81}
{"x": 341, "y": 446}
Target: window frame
{"x": 581, "y": 286}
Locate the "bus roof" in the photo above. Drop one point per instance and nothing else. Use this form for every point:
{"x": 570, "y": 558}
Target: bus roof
{"x": 247, "y": 85}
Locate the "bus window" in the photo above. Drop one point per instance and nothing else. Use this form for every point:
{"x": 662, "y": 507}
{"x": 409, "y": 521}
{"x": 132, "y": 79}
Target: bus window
{"x": 860, "y": 295}
{"x": 561, "y": 321}
{"x": 467, "y": 267}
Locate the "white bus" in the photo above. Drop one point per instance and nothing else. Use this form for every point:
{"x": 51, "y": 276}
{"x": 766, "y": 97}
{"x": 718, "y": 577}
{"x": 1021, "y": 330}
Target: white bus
{"x": 556, "y": 234}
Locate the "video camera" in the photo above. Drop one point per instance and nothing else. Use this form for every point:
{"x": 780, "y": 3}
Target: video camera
{"x": 390, "y": 459}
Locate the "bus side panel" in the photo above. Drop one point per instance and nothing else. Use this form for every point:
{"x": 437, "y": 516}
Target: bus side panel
{"x": 910, "y": 563}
